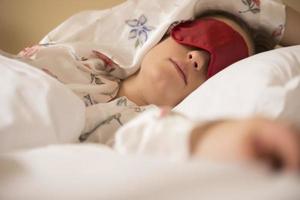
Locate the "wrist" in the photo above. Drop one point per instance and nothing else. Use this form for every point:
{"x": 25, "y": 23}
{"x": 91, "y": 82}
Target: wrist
{"x": 199, "y": 132}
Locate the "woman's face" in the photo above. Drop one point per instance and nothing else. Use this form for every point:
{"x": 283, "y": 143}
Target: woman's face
{"x": 171, "y": 71}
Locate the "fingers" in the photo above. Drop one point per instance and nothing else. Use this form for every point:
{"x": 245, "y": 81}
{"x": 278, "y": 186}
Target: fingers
{"x": 277, "y": 144}
{"x": 256, "y": 140}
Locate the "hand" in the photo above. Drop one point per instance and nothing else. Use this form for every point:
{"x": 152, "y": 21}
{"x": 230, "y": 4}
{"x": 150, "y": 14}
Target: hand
{"x": 259, "y": 140}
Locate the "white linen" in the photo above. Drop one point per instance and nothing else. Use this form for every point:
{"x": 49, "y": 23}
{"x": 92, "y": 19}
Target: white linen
{"x": 104, "y": 119}
{"x": 35, "y": 110}
{"x": 265, "y": 84}
{"x": 157, "y": 132}
{"x": 126, "y": 32}
{"x": 93, "y": 172}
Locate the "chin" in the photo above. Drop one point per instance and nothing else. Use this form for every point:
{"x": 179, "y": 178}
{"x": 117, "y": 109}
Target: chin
{"x": 162, "y": 99}
{"x": 161, "y": 94}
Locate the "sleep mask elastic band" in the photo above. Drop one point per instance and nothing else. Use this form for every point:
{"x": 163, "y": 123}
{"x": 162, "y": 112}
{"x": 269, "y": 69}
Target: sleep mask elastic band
{"x": 223, "y": 43}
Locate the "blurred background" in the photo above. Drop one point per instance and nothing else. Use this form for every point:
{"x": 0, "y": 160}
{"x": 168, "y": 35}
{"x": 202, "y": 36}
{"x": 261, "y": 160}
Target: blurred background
{"x": 25, "y": 22}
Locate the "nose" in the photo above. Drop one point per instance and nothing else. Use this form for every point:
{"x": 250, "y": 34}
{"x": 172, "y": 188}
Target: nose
{"x": 196, "y": 59}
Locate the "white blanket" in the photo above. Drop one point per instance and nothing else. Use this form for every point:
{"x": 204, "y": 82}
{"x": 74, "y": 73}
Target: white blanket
{"x": 126, "y": 32}
{"x": 96, "y": 173}
{"x": 35, "y": 109}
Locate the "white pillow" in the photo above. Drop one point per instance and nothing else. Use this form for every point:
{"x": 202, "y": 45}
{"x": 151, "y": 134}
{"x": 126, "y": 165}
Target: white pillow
{"x": 267, "y": 84}
{"x": 35, "y": 109}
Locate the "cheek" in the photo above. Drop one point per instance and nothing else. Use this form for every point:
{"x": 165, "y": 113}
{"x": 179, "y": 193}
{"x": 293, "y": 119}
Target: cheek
{"x": 196, "y": 82}
{"x": 160, "y": 78}
{"x": 158, "y": 72}
{"x": 161, "y": 86}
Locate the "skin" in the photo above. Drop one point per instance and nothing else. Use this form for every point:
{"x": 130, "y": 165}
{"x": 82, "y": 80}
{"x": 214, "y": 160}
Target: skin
{"x": 269, "y": 143}
{"x": 158, "y": 81}
{"x": 292, "y": 28}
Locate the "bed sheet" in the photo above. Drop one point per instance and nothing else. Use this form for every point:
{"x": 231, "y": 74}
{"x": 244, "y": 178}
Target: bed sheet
{"x": 96, "y": 172}
{"x": 35, "y": 109}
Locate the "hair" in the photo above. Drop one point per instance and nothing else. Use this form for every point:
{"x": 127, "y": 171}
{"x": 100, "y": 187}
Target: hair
{"x": 259, "y": 37}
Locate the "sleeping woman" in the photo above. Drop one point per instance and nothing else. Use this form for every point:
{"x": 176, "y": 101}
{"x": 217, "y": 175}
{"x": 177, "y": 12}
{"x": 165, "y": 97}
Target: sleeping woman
{"x": 189, "y": 54}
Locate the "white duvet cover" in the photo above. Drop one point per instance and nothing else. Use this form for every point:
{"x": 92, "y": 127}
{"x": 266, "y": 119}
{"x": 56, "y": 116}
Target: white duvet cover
{"x": 35, "y": 110}
{"x": 97, "y": 173}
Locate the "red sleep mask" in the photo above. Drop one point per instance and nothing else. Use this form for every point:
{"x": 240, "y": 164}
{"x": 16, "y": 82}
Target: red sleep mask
{"x": 223, "y": 43}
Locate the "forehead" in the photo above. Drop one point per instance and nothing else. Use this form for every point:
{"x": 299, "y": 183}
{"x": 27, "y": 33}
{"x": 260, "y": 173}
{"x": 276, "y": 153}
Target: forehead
{"x": 235, "y": 26}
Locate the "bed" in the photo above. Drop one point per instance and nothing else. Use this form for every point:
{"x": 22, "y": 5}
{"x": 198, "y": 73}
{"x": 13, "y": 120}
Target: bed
{"x": 40, "y": 117}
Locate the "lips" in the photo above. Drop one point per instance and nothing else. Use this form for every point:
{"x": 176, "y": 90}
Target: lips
{"x": 179, "y": 69}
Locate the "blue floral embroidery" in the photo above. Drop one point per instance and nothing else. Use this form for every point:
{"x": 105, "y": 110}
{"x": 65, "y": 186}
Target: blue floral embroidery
{"x": 253, "y": 6}
{"x": 48, "y": 44}
{"x": 88, "y": 101}
{"x": 139, "y": 30}
{"x": 116, "y": 117}
{"x": 122, "y": 102}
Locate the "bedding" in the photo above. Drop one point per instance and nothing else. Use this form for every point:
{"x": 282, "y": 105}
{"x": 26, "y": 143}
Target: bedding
{"x": 38, "y": 111}
{"x": 125, "y": 36}
{"x": 35, "y": 109}
{"x": 89, "y": 42}
{"x": 95, "y": 172}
